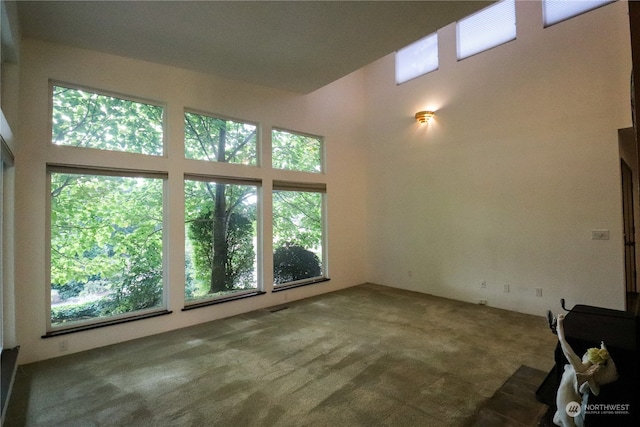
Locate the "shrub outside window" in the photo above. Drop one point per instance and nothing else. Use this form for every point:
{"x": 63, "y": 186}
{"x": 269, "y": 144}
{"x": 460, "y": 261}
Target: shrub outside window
{"x": 221, "y": 238}
{"x": 81, "y": 118}
{"x": 106, "y": 246}
{"x": 296, "y": 151}
{"x": 298, "y": 232}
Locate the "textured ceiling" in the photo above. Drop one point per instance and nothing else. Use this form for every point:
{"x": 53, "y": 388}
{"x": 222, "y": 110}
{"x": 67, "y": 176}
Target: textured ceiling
{"x": 294, "y": 45}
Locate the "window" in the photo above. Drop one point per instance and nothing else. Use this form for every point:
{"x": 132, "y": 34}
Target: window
{"x": 219, "y": 140}
{"x": 298, "y": 232}
{"x": 417, "y": 59}
{"x": 490, "y": 27}
{"x": 81, "y": 118}
{"x": 296, "y": 151}
{"x": 106, "y": 245}
{"x": 555, "y": 11}
{"x": 221, "y": 243}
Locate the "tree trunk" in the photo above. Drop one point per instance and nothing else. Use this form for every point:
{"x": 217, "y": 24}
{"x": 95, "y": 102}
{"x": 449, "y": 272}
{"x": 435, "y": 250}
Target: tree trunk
{"x": 220, "y": 249}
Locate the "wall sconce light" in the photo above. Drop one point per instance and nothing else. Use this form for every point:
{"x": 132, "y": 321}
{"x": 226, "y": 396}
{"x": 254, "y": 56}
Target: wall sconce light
{"x": 424, "y": 116}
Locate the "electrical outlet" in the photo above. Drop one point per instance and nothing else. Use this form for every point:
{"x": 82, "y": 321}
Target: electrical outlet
{"x": 507, "y": 288}
{"x": 63, "y": 346}
{"x": 538, "y": 292}
{"x": 410, "y": 273}
{"x": 599, "y": 234}
{"x": 483, "y": 285}
{"x": 483, "y": 302}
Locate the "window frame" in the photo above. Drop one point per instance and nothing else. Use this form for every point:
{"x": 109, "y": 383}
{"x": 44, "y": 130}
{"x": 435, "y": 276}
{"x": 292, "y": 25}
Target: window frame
{"x": 310, "y": 187}
{"x": 321, "y": 151}
{"x": 414, "y": 46}
{"x": 546, "y": 24}
{"x": 258, "y": 138}
{"x": 112, "y": 94}
{"x": 241, "y": 293}
{"x": 74, "y": 326}
{"x": 459, "y": 56}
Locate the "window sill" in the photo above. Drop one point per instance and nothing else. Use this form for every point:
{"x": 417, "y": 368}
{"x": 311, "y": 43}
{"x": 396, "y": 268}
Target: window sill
{"x": 81, "y": 328}
{"x": 222, "y": 300}
{"x": 292, "y": 285}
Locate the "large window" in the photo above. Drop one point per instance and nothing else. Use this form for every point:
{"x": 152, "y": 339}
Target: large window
{"x": 296, "y": 151}
{"x": 106, "y": 245}
{"x": 490, "y": 27}
{"x": 298, "y": 232}
{"x": 81, "y": 118}
{"x": 106, "y": 225}
{"x": 221, "y": 238}
{"x": 219, "y": 140}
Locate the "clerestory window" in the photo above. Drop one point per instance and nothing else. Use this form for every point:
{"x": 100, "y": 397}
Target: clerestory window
{"x": 83, "y": 118}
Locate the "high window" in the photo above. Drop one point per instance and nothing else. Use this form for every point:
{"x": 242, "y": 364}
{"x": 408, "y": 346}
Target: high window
{"x": 81, "y": 118}
{"x": 490, "y": 27}
{"x": 219, "y": 140}
{"x": 296, "y": 151}
{"x": 417, "y": 59}
{"x": 106, "y": 245}
{"x": 221, "y": 245}
{"x": 554, "y": 11}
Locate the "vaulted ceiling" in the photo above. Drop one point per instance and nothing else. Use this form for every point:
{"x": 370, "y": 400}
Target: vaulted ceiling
{"x": 294, "y": 45}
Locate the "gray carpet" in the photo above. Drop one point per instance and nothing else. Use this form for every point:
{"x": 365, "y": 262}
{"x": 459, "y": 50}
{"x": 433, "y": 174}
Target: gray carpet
{"x": 364, "y": 356}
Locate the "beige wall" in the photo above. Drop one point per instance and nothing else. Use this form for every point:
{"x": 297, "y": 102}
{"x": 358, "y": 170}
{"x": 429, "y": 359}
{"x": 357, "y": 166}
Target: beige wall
{"x": 504, "y": 186}
{"x": 331, "y": 112}
{"x": 519, "y": 165}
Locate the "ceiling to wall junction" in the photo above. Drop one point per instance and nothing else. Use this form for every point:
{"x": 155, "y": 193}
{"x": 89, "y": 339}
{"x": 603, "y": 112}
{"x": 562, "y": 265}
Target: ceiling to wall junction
{"x": 293, "y": 45}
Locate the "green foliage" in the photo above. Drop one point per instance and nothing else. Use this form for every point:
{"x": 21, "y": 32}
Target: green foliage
{"x": 293, "y": 151}
{"x": 238, "y": 259}
{"x": 297, "y": 219}
{"x": 107, "y": 228}
{"x": 85, "y": 119}
{"x": 291, "y": 263}
{"x": 203, "y": 135}
{"x": 239, "y": 264}
{"x": 75, "y": 312}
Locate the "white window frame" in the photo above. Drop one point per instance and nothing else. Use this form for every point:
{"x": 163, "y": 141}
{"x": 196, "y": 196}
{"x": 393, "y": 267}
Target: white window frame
{"x": 417, "y": 59}
{"x": 556, "y": 11}
{"x": 259, "y": 239}
{"x": 303, "y": 134}
{"x": 103, "y": 321}
{"x": 311, "y": 188}
{"x": 474, "y": 34}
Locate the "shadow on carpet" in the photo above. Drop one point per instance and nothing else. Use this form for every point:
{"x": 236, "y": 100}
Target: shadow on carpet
{"x": 515, "y": 403}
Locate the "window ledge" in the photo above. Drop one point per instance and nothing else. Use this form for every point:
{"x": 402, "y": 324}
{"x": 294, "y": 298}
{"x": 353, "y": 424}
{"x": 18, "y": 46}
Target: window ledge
{"x": 299, "y": 284}
{"x": 222, "y": 300}
{"x": 81, "y": 328}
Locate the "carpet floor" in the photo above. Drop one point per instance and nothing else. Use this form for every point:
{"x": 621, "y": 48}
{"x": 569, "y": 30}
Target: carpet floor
{"x": 364, "y": 356}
